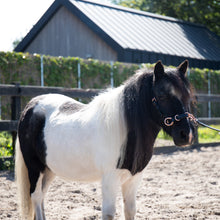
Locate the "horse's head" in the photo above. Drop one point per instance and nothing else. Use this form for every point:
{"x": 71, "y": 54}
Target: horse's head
{"x": 171, "y": 103}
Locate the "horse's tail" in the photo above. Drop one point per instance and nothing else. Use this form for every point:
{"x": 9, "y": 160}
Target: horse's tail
{"x": 23, "y": 185}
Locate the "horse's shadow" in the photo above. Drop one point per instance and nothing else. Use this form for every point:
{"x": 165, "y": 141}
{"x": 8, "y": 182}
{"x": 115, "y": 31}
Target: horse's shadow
{"x": 8, "y": 174}
{"x": 169, "y": 150}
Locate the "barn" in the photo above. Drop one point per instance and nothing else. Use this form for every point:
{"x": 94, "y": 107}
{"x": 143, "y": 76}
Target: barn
{"x": 89, "y": 29}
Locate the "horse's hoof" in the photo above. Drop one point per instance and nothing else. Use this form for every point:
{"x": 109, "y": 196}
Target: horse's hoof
{"x": 108, "y": 217}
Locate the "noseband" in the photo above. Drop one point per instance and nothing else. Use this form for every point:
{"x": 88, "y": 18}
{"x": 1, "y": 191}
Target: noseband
{"x": 169, "y": 121}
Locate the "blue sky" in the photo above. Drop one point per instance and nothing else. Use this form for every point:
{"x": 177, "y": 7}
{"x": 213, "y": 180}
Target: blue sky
{"x": 17, "y": 17}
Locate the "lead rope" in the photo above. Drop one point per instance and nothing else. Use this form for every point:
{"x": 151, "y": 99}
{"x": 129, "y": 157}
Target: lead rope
{"x": 205, "y": 125}
{"x": 191, "y": 117}
{"x": 170, "y": 120}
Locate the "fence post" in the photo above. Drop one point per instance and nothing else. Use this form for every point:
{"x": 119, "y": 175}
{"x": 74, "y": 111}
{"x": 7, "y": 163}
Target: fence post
{"x": 15, "y": 111}
{"x": 79, "y": 74}
{"x": 194, "y": 111}
{"x": 209, "y": 92}
{"x": 42, "y": 69}
{"x": 196, "y": 141}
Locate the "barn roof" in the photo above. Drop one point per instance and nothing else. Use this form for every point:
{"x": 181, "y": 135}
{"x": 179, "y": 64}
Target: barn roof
{"x": 133, "y": 33}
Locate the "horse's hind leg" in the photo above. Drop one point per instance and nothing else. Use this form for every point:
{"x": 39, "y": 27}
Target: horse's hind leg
{"x": 47, "y": 179}
{"x": 129, "y": 190}
{"x": 37, "y": 199}
{"x": 38, "y": 195}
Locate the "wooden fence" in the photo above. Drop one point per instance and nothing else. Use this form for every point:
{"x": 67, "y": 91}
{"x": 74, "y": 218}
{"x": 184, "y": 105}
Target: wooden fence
{"x": 17, "y": 91}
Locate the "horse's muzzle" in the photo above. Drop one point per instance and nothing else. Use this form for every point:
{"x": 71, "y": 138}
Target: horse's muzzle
{"x": 183, "y": 137}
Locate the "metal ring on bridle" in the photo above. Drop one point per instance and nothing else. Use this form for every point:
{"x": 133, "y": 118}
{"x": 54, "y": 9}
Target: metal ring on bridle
{"x": 168, "y": 121}
{"x": 176, "y": 118}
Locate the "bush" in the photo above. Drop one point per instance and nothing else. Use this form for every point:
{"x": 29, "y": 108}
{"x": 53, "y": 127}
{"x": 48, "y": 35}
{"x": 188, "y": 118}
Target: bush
{"x": 6, "y": 151}
{"x": 6, "y": 148}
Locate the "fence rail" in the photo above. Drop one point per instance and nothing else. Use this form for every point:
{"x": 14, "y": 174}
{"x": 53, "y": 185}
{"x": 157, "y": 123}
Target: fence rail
{"x": 208, "y": 97}
{"x": 16, "y": 91}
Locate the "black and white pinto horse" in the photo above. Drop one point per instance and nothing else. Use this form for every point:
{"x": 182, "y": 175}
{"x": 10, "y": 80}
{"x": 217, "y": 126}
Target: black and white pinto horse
{"x": 110, "y": 139}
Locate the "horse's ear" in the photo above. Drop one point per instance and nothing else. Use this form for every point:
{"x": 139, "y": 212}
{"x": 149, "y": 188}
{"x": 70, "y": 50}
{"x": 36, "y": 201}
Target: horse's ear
{"x": 183, "y": 67}
{"x": 158, "y": 70}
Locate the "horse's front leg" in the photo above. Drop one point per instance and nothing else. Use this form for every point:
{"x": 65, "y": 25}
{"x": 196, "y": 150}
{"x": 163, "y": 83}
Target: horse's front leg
{"x": 110, "y": 184}
{"x": 129, "y": 191}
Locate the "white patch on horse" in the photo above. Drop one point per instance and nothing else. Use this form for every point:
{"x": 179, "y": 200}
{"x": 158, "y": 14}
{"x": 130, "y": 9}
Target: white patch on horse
{"x": 175, "y": 92}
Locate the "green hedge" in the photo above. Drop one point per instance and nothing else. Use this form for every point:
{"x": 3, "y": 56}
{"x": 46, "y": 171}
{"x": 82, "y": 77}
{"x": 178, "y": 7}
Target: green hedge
{"x": 60, "y": 71}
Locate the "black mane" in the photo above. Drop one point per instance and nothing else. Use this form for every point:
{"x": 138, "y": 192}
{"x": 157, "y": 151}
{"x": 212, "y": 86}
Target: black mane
{"x": 142, "y": 131}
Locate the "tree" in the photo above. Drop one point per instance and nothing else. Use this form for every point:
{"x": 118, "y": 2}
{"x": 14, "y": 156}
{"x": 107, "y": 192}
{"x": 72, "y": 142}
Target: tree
{"x": 206, "y": 12}
{"x": 16, "y": 42}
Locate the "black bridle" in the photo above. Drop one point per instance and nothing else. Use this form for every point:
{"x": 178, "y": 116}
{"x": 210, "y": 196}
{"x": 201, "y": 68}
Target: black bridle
{"x": 169, "y": 121}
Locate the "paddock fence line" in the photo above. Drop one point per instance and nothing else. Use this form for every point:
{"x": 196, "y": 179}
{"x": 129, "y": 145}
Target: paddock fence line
{"x": 16, "y": 91}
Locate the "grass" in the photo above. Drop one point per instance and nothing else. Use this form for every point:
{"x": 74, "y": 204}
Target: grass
{"x": 207, "y": 135}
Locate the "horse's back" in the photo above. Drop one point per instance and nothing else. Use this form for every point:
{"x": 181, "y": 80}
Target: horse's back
{"x": 56, "y": 102}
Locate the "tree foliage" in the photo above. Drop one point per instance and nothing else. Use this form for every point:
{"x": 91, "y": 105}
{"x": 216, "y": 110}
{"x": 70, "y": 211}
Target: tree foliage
{"x": 206, "y": 12}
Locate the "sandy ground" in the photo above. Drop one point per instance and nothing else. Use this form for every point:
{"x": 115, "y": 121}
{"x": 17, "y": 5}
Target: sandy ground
{"x": 177, "y": 185}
